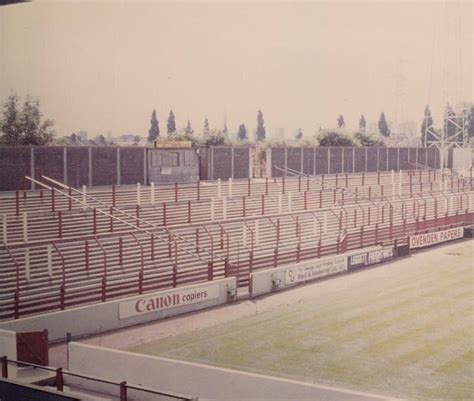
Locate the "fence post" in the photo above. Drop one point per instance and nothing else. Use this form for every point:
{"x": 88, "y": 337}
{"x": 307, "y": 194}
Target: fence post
{"x": 266, "y": 184}
{"x": 152, "y": 246}
{"x": 17, "y": 202}
{"x": 164, "y": 213}
{"x": 244, "y": 235}
{"x": 322, "y": 181}
{"x": 94, "y": 221}
{"x": 290, "y": 201}
{"x": 361, "y": 236}
{"x": 176, "y": 196}
{"x": 198, "y": 189}
{"x": 197, "y": 240}
{"x": 400, "y": 183}
{"x": 243, "y": 206}
{"x": 53, "y": 205}
{"x": 69, "y": 198}
{"x": 219, "y": 188}
{"x": 257, "y": 232}
{"x": 299, "y": 183}
{"x": 305, "y": 200}
{"x": 84, "y": 197}
{"x": 104, "y": 289}
{"x": 279, "y": 202}
{"x": 139, "y": 194}
{"x": 378, "y": 178}
{"x": 392, "y": 175}
{"x": 320, "y": 198}
{"x": 224, "y": 208}
{"x": 59, "y": 379}
{"x": 175, "y": 275}
{"x": 4, "y": 367}
{"x": 120, "y": 251}
{"x": 189, "y": 211}
{"x": 27, "y": 265}
{"x": 86, "y": 254}
{"x": 62, "y": 295}
{"x": 210, "y": 271}
{"x": 248, "y": 189}
{"x": 60, "y": 224}
{"x": 283, "y": 184}
{"x": 152, "y": 193}
{"x": 123, "y": 391}
{"x": 25, "y": 227}
{"x": 4, "y": 229}
{"x": 278, "y": 231}
{"x": 229, "y": 183}
{"x": 140, "y": 282}
{"x": 307, "y": 183}
{"x": 263, "y": 204}
{"x": 111, "y": 220}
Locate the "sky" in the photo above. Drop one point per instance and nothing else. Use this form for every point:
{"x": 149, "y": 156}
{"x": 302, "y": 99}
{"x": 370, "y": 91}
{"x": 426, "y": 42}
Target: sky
{"x": 104, "y": 66}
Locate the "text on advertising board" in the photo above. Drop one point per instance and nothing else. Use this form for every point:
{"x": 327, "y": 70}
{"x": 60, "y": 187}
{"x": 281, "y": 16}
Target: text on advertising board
{"x": 371, "y": 257}
{"x": 320, "y": 268}
{"x": 422, "y": 240}
{"x": 156, "y": 302}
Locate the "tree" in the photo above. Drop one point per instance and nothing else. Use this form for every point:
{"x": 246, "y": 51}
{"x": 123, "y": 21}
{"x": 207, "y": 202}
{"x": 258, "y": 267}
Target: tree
{"x": 340, "y": 121}
{"x": 242, "y": 133}
{"x": 73, "y": 138}
{"x": 26, "y": 127}
{"x": 188, "y": 130}
{"x": 367, "y": 140}
{"x": 171, "y": 125}
{"x": 299, "y": 135}
{"x": 335, "y": 139}
{"x": 425, "y": 126}
{"x": 205, "y": 129}
{"x": 383, "y": 126}
{"x": 362, "y": 123}
{"x": 260, "y": 135}
{"x": 215, "y": 138}
{"x": 137, "y": 138}
{"x": 101, "y": 140}
{"x": 154, "y": 131}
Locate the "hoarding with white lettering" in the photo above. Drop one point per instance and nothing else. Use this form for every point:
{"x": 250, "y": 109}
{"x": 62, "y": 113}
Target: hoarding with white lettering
{"x": 437, "y": 237}
{"x": 371, "y": 257}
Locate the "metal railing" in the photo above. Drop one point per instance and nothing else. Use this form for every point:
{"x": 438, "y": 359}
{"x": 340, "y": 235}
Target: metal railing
{"x": 61, "y": 373}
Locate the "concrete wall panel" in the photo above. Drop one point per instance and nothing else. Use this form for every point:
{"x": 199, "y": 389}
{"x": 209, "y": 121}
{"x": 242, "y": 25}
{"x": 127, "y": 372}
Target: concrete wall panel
{"x": 308, "y": 161}
{"x": 359, "y": 160}
{"x": 131, "y": 166}
{"x": 321, "y": 160}
{"x": 335, "y": 165}
{"x": 372, "y": 159}
{"x": 77, "y": 166}
{"x": 392, "y": 158}
{"x": 241, "y": 162}
{"x": 403, "y": 155}
{"x": 412, "y": 158}
{"x": 14, "y": 165}
{"x": 104, "y": 166}
{"x": 49, "y": 161}
{"x": 221, "y": 162}
{"x": 422, "y": 157}
{"x": 294, "y": 159}
{"x": 278, "y": 161}
{"x": 348, "y": 160}
{"x": 431, "y": 157}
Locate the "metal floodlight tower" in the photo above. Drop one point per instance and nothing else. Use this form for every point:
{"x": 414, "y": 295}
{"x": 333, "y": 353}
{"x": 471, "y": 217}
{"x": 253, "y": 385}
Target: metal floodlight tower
{"x": 454, "y": 133}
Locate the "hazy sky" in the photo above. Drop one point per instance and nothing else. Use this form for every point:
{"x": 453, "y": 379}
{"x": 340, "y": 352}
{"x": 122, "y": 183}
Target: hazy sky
{"x": 101, "y": 66}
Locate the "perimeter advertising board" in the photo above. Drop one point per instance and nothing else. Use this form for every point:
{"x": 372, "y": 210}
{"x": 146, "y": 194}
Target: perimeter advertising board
{"x": 437, "y": 237}
{"x": 167, "y": 300}
{"x": 315, "y": 269}
{"x": 370, "y": 257}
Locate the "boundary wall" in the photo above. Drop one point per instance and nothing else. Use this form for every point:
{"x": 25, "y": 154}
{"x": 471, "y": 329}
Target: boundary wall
{"x": 117, "y": 165}
{"x": 206, "y": 382}
{"x": 112, "y": 315}
{"x": 332, "y": 160}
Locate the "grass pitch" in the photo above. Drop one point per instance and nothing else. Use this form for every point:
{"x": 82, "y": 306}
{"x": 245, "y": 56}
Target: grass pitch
{"x": 405, "y": 329}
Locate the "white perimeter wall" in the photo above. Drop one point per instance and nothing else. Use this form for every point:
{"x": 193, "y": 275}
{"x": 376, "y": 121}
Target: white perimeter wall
{"x": 196, "y": 380}
{"x": 8, "y": 349}
{"x": 102, "y": 317}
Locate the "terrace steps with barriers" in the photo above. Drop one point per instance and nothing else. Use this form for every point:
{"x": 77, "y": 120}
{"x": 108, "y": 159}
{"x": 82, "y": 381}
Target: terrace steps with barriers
{"x": 89, "y": 263}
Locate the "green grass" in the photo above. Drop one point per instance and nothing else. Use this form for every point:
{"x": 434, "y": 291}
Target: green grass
{"x": 405, "y": 329}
